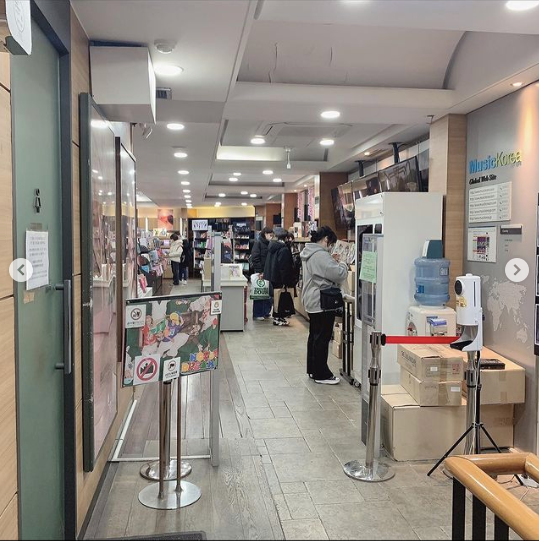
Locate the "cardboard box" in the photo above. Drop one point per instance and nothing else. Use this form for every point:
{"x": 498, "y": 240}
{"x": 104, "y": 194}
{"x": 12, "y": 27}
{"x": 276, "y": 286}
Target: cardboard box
{"x": 337, "y": 336}
{"x": 431, "y": 362}
{"x": 393, "y": 389}
{"x": 500, "y": 386}
{"x": 336, "y": 349}
{"x": 412, "y": 432}
{"x": 432, "y": 393}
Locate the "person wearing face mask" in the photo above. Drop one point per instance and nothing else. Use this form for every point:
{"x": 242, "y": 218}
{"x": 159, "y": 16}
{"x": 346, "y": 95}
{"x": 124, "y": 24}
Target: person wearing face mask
{"x": 321, "y": 270}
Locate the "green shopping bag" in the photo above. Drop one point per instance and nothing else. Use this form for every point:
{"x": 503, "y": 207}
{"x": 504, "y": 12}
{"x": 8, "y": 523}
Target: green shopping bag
{"x": 259, "y": 288}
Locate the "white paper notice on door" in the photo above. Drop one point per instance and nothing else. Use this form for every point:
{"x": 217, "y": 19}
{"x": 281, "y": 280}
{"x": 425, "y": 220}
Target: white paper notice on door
{"x": 482, "y": 244}
{"x": 37, "y": 252}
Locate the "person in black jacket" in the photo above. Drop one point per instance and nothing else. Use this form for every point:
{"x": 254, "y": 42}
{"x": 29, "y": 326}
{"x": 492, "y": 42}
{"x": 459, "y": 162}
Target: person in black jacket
{"x": 279, "y": 269}
{"x": 184, "y": 263}
{"x": 261, "y": 309}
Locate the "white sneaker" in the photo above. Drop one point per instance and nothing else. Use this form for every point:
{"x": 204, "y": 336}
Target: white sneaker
{"x": 330, "y": 381}
{"x": 259, "y": 319}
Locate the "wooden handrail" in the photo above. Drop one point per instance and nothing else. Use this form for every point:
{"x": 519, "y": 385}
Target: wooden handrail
{"x": 473, "y": 472}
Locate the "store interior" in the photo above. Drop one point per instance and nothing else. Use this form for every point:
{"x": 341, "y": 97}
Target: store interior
{"x": 168, "y": 137}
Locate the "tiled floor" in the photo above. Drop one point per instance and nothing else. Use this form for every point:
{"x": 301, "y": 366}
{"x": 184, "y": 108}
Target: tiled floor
{"x": 285, "y": 440}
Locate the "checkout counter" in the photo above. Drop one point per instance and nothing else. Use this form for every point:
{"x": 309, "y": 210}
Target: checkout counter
{"x": 233, "y": 287}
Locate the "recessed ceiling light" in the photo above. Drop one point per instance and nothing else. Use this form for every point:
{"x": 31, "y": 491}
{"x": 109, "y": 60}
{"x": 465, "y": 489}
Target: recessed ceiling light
{"x": 99, "y": 177}
{"x": 253, "y": 195}
{"x": 218, "y": 204}
{"x": 237, "y": 174}
{"x": 233, "y": 179}
{"x": 98, "y": 124}
{"x": 368, "y": 153}
{"x": 522, "y": 5}
{"x": 517, "y": 84}
{"x": 164, "y": 46}
{"x": 109, "y": 193}
{"x": 277, "y": 180}
{"x": 186, "y": 191}
{"x": 100, "y": 192}
{"x": 167, "y": 70}
{"x": 257, "y": 140}
{"x": 326, "y": 142}
{"x": 185, "y": 183}
{"x": 305, "y": 185}
{"x": 330, "y": 114}
{"x": 244, "y": 193}
{"x": 244, "y": 204}
{"x": 175, "y": 126}
{"x": 183, "y": 172}
{"x": 95, "y": 171}
{"x": 267, "y": 172}
{"x": 222, "y": 194}
{"x": 180, "y": 154}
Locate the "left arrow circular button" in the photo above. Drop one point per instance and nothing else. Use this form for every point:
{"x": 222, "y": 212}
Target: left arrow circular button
{"x": 21, "y": 270}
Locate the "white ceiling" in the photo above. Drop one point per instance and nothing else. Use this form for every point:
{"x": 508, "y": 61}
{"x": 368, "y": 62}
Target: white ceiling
{"x": 270, "y": 67}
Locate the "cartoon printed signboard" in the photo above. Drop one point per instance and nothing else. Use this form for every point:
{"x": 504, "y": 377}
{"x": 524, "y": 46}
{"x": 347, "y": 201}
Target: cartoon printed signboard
{"x": 171, "y": 336}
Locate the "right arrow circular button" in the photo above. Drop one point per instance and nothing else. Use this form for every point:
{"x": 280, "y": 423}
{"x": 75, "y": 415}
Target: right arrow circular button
{"x": 517, "y": 270}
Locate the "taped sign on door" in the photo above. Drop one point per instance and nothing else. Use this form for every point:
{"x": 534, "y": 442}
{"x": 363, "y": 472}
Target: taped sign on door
{"x": 135, "y": 316}
{"x": 171, "y": 369}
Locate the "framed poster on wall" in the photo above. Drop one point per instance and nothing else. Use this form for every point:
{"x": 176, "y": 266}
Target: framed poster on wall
{"x": 100, "y": 251}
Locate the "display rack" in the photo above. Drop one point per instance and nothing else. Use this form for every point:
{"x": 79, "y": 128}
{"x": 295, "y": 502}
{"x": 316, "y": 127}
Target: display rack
{"x": 243, "y": 238}
{"x": 199, "y": 248}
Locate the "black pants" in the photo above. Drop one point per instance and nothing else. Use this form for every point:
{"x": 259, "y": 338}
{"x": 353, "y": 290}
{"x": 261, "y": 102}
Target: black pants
{"x": 320, "y": 331}
{"x": 176, "y": 272}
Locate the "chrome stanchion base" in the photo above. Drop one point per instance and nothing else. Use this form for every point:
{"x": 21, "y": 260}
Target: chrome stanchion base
{"x": 359, "y": 471}
{"x": 170, "y": 499}
{"x": 151, "y": 470}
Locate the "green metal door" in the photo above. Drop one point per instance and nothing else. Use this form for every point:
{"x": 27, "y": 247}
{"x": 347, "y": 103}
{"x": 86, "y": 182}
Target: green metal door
{"x": 36, "y": 151}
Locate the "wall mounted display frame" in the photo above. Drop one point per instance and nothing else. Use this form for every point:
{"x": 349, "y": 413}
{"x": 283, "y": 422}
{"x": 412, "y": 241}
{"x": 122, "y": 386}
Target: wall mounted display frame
{"x": 99, "y": 248}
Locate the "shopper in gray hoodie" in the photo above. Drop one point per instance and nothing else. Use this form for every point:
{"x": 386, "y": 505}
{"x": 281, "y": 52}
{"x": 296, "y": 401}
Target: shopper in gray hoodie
{"x": 321, "y": 270}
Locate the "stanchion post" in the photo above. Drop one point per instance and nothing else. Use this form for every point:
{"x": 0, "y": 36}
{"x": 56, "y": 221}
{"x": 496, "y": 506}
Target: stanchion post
{"x": 372, "y": 471}
{"x": 165, "y": 398}
{"x": 214, "y": 417}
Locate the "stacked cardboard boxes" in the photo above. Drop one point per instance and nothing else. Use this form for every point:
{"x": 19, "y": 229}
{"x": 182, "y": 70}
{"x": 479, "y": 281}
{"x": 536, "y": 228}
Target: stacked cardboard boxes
{"x": 412, "y": 429}
{"x": 336, "y": 345}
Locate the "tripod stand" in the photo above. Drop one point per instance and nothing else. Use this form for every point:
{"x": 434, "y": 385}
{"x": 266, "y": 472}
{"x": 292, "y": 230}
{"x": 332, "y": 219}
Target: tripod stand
{"x": 473, "y": 414}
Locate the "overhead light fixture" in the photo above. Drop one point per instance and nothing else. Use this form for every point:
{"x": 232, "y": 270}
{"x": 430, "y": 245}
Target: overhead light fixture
{"x": 244, "y": 193}
{"x": 101, "y": 124}
{"x": 288, "y": 164}
{"x": 277, "y": 180}
{"x": 253, "y": 195}
{"x": 100, "y": 192}
{"x": 186, "y": 191}
{"x": 327, "y": 142}
{"x": 109, "y": 193}
{"x": 175, "y": 126}
{"x": 367, "y": 153}
{"x": 164, "y": 46}
{"x": 233, "y": 179}
{"x": 146, "y": 130}
{"x": 517, "y": 84}
{"x": 258, "y": 140}
{"x": 95, "y": 171}
{"x": 185, "y": 183}
{"x": 167, "y": 70}
{"x": 99, "y": 177}
{"x": 183, "y": 172}
{"x": 180, "y": 154}
{"x": 222, "y": 194}
{"x": 218, "y": 204}
{"x": 305, "y": 185}
{"x": 244, "y": 204}
{"x": 330, "y": 114}
{"x": 522, "y": 5}
{"x": 237, "y": 174}
{"x": 267, "y": 172}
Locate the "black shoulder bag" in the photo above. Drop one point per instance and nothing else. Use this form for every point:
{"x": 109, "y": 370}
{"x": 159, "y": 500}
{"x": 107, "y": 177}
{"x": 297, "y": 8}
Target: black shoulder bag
{"x": 331, "y": 299}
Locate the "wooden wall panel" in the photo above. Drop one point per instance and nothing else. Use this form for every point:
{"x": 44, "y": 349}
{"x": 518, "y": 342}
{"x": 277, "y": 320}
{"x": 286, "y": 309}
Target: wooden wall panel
{"x": 290, "y": 202}
{"x": 447, "y": 175}
{"x": 5, "y": 76}
{"x": 76, "y": 209}
{"x": 80, "y": 69}
{"x": 271, "y": 210}
{"x": 6, "y": 204}
{"x": 9, "y": 521}
{"x": 8, "y": 409}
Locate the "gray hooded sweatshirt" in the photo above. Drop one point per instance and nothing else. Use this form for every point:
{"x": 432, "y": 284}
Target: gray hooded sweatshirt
{"x": 320, "y": 271}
